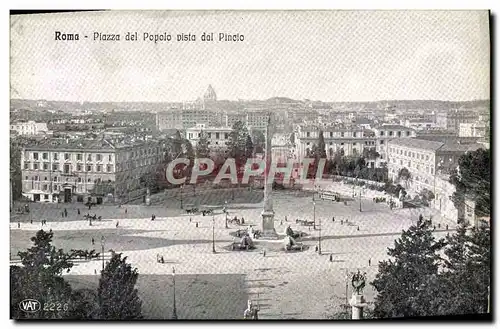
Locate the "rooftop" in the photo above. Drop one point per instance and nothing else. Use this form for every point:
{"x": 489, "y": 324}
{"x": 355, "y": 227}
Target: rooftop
{"x": 393, "y": 127}
{"x": 417, "y": 143}
{"x": 83, "y": 144}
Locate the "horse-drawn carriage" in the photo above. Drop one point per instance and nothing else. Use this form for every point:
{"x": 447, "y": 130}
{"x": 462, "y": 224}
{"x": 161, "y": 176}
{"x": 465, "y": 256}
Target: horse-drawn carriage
{"x": 304, "y": 222}
{"x": 191, "y": 209}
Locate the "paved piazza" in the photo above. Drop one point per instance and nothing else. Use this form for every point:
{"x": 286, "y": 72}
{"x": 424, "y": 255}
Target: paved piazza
{"x": 286, "y": 285}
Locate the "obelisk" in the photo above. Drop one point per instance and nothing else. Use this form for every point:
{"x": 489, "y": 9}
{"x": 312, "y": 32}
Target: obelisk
{"x": 268, "y": 231}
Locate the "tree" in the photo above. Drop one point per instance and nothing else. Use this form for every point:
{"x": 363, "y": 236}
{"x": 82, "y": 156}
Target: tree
{"x": 237, "y": 142}
{"x": 473, "y": 180}
{"x": 202, "y": 150}
{"x": 40, "y": 278}
{"x": 405, "y": 175}
{"x": 321, "y": 150}
{"x": 116, "y": 294}
{"x": 258, "y": 140}
{"x": 177, "y": 143}
{"x": 401, "y": 281}
{"x": 249, "y": 147}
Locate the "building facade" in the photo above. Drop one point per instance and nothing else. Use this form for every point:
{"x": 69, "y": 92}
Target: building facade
{"x": 29, "y": 128}
{"x": 217, "y": 137}
{"x": 74, "y": 171}
{"x": 384, "y": 133}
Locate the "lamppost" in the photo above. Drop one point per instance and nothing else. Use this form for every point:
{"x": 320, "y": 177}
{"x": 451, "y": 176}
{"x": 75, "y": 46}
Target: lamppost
{"x": 360, "y": 199}
{"x": 226, "y": 212}
{"x": 213, "y": 234}
{"x": 314, "y": 214}
{"x": 319, "y": 237}
{"x": 182, "y": 190}
{"x": 102, "y": 251}
{"x": 174, "y": 315}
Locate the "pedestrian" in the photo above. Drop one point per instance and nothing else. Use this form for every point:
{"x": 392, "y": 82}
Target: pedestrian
{"x": 78, "y": 211}
{"x": 447, "y": 227}
{"x": 152, "y": 217}
{"x": 434, "y": 227}
{"x": 439, "y": 225}
{"x": 93, "y": 242}
{"x": 333, "y": 219}
{"x": 196, "y": 224}
{"x": 331, "y": 257}
{"x": 65, "y": 212}
{"x": 95, "y": 271}
{"x": 242, "y": 221}
{"x": 31, "y": 221}
{"x": 281, "y": 223}
{"x": 18, "y": 225}
{"x": 90, "y": 222}
{"x": 286, "y": 219}
{"x": 341, "y": 222}
{"x": 369, "y": 262}
{"x": 117, "y": 223}
{"x": 125, "y": 210}
{"x": 190, "y": 219}
{"x": 358, "y": 228}
{"x": 264, "y": 252}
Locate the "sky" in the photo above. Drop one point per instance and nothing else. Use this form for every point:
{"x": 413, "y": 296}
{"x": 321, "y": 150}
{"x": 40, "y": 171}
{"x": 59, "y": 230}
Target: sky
{"x": 334, "y": 56}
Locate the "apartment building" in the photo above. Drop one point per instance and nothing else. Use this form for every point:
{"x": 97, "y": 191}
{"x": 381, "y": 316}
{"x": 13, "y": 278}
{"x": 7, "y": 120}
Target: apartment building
{"x": 386, "y": 132}
{"x": 78, "y": 170}
{"x": 29, "y": 128}
{"x": 217, "y": 137}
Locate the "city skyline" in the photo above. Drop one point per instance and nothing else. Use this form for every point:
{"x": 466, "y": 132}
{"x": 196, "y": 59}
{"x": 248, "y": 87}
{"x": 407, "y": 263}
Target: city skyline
{"x": 332, "y": 56}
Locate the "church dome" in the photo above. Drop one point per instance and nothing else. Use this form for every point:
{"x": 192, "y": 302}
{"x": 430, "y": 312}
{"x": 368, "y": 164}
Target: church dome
{"x": 210, "y": 94}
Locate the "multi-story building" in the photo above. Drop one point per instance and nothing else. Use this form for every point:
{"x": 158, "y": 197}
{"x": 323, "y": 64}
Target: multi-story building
{"x": 217, "y": 137}
{"x": 76, "y": 170}
{"x": 170, "y": 119}
{"x": 479, "y": 129}
{"x": 29, "y": 128}
{"x": 452, "y": 119}
{"x": 346, "y": 141}
{"x": 233, "y": 117}
{"x": 384, "y": 133}
{"x": 424, "y": 159}
{"x": 257, "y": 119}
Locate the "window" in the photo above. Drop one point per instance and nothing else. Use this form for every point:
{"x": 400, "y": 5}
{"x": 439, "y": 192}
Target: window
{"x": 89, "y": 157}
{"x": 407, "y": 133}
{"x": 66, "y": 156}
{"x": 226, "y": 135}
{"x": 418, "y": 167}
{"x": 45, "y": 156}
{"x": 110, "y": 158}
{"x": 399, "y": 134}
{"x": 78, "y": 167}
{"x": 67, "y": 168}
{"x": 99, "y": 157}
{"x": 55, "y": 167}
{"x": 427, "y": 157}
{"x": 401, "y": 162}
{"x": 353, "y": 144}
{"x": 89, "y": 180}
{"x": 217, "y": 135}
{"x": 45, "y": 178}
{"x": 342, "y": 144}
{"x": 405, "y": 153}
{"x": 308, "y": 143}
{"x": 44, "y": 187}
{"x": 25, "y": 166}
{"x": 36, "y": 178}
{"x": 382, "y": 142}
{"x": 342, "y": 134}
{"x": 391, "y": 133}
{"x": 432, "y": 171}
{"x": 99, "y": 168}
{"x": 55, "y": 179}
{"x": 45, "y": 166}
{"x": 89, "y": 168}
{"x": 35, "y": 155}
{"x": 331, "y": 143}
{"x": 331, "y": 133}
{"x": 56, "y": 156}
{"x": 79, "y": 157}
{"x": 209, "y": 135}
{"x": 354, "y": 134}
{"x": 79, "y": 179}
{"x": 381, "y": 133}
{"x": 35, "y": 166}
{"x": 308, "y": 134}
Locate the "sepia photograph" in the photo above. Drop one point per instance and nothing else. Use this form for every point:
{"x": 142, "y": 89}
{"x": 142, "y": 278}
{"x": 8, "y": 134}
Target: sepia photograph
{"x": 250, "y": 165}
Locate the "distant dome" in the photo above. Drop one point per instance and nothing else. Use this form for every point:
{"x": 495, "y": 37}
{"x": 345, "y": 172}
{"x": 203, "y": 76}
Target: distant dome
{"x": 210, "y": 94}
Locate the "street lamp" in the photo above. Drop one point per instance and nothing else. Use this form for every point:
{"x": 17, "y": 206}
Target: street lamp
{"x": 182, "y": 190}
{"x": 174, "y": 315}
{"x": 319, "y": 237}
{"x": 102, "y": 251}
{"x": 213, "y": 234}
{"x": 226, "y": 213}
{"x": 360, "y": 199}
{"x": 314, "y": 215}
